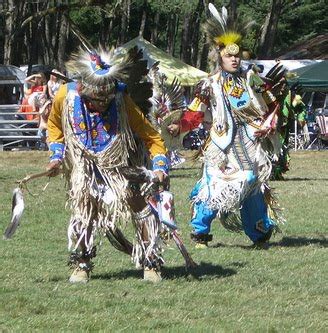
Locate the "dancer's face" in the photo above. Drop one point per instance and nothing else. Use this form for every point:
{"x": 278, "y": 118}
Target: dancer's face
{"x": 230, "y": 63}
{"x": 99, "y": 100}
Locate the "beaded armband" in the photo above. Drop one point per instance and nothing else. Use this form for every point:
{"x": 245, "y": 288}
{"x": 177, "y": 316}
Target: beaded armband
{"x": 160, "y": 162}
{"x": 56, "y": 151}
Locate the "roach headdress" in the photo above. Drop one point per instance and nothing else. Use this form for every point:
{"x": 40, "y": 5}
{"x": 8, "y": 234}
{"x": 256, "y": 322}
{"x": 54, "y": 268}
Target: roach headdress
{"x": 100, "y": 70}
{"x": 222, "y": 34}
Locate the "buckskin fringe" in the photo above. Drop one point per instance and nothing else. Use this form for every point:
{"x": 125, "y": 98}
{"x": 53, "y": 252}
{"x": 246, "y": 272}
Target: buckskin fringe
{"x": 232, "y": 222}
{"x": 147, "y": 253}
{"x": 275, "y": 212}
{"x": 81, "y": 167}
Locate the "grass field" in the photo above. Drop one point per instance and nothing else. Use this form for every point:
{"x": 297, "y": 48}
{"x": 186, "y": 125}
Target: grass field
{"x": 234, "y": 289}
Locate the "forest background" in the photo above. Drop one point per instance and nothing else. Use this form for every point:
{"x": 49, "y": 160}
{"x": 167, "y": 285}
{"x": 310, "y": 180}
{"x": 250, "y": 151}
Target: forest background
{"x": 38, "y": 31}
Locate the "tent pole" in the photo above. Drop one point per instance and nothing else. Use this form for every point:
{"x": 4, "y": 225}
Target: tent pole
{"x": 295, "y": 133}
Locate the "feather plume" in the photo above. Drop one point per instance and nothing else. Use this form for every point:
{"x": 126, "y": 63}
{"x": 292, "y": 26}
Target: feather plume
{"x": 219, "y": 24}
{"x": 228, "y": 38}
{"x": 88, "y": 47}
{"x": 16, "y": 213}
{"x": 108, "y": 68}
{"x": 221, "y": 19}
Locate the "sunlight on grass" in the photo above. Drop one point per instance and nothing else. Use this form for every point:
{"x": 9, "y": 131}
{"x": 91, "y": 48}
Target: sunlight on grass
{"x": 234, "y": 288}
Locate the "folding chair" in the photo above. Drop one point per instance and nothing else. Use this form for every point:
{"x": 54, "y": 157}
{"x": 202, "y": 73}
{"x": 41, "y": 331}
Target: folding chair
{"x": 322, "y": 121}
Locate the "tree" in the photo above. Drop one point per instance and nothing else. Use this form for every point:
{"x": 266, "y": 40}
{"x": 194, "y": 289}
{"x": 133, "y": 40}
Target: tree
{"x": 13, "y": 11}
{"x": 269, "y": 29}
{"x": 38, "y": 30}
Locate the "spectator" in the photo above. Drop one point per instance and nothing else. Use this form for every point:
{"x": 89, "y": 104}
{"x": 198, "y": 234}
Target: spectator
{"x": 43, "y": 124}
{"x": 37, "y": 92}
{"x": 53, "y": 84}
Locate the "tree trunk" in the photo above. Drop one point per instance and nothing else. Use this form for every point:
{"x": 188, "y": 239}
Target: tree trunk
{"x": 143, "y": 21}
{"x": 269, "y": 30}
{"x": 154, "y": 33}
{"x": 12, "y": 37}
{"x": 172, "y": 24}
{"x": 106, "y": 30}
{"x": 9, "y": 29}
{"x": 185, "y": 52}
{"x": 196, "y": 32}
{"x": 125, "y": 21}
{"x": 62, "y": 41}
{"x": 203, "y": 60}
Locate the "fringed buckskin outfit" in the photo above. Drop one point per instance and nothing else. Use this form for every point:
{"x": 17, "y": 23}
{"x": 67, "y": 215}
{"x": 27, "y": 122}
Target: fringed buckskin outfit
{"x": 94, "y": 146}
{"x": 236, "y": 165}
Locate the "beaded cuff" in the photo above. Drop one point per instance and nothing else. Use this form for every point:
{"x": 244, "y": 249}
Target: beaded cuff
{"x": 57, "y": 151}
{"x": 160, "y": 162}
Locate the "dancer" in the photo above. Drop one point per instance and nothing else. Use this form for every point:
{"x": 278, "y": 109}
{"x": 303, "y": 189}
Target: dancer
{"x": 240, "y": 114}
{"x": 91, "y": 129}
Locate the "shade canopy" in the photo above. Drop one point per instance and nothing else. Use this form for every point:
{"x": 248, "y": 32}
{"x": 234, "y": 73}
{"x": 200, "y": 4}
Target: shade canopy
{"x": 312, "y": 77}
{"x": 168, "y": 65}
{"x": 11, "y": 75}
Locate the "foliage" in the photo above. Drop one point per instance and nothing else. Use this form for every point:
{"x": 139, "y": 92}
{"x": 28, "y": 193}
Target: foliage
{"x": 173, "y": 6}
{"x": 89, "y": 21}
{"x": 308, "y": 17}
{"x": 234, "y": 289}
{"x": 102, "y": 22}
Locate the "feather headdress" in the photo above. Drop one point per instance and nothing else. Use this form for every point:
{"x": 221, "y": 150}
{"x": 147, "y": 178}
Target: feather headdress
{"x": 101, "y": 69}
{"x": 223, "y": 34}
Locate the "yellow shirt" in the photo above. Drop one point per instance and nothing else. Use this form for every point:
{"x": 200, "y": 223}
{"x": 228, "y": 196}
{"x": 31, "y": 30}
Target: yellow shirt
{"x": 138, "y": 123}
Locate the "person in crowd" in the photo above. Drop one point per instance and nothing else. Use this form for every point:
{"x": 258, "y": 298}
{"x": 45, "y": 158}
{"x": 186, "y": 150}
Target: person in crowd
{"x": 168, "y": 103}
{"x": 36, "y": 94}
{"x": 292, "y": 114}
{"x": 44, "y": 113}
{"x": 91, "y": 127}
{"x": 240, "y": 113}
{"x": 53, "y": 84}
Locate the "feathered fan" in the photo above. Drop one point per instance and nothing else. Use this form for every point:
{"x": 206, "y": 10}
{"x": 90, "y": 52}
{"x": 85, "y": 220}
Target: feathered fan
{"x": 17, "y": 207}
{"x": 276, "y": 78}
{"x": 168, "y": 105}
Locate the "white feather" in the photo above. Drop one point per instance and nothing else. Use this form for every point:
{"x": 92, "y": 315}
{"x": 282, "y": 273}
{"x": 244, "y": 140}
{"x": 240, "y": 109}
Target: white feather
{"x": 17, "y": 211}
{"x": 221, "y": 19}
{"x": 224, "y": 15}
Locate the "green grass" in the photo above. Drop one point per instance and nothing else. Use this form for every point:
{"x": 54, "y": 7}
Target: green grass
{"x": 234, "y": 289}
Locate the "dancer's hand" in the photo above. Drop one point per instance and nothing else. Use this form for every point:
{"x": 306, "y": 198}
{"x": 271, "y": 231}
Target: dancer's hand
{"x": 54, "y": 168}
{"x": 164, "y": 180}
{"x": 173, "y": 129}
{"x": 160, "y": 175}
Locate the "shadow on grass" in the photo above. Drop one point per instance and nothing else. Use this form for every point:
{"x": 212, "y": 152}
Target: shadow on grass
{"x": 188, "y": 175}
{"x": 245, "y": 247}
{"x": 284, "y": 242}
{"x": 301, "y": 179}
{"x": 202, "y": 271}
{"x": 301, "y": 241}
